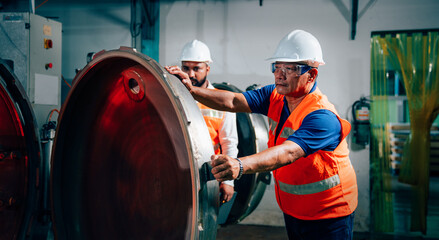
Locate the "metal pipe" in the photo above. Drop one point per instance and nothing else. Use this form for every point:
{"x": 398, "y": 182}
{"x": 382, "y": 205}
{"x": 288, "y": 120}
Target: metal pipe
{"x": 32, "y": 6}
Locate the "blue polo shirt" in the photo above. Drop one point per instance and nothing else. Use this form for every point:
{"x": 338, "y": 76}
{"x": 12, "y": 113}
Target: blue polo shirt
{"x": 320, "y": 130}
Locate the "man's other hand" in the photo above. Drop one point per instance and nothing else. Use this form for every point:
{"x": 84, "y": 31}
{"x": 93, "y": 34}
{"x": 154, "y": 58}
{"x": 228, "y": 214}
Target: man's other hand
{"x": 224, "y": 167}
{"x": 226, "y": 192}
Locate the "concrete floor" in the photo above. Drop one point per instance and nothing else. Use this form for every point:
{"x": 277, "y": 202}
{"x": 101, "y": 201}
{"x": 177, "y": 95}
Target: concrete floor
{"x": 253, "y": 232}
{"x": 260, "y": 232}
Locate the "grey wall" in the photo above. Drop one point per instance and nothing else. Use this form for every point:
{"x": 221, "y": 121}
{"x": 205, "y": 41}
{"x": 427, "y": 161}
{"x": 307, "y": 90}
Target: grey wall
{"x": 241, "y": 34}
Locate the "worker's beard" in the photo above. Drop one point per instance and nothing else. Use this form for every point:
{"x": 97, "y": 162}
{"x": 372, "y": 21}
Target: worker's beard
{"x": 197, "y": 83}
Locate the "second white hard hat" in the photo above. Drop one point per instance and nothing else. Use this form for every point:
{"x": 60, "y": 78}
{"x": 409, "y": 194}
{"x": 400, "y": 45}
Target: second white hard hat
{"x": 196, "y": 51}
{"x": 299, "y": 46}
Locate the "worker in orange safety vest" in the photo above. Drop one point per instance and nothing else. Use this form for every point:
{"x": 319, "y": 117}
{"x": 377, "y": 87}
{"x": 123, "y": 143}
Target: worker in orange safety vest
{"x": 315, "y": 182}
{"x": 195, "y": 62}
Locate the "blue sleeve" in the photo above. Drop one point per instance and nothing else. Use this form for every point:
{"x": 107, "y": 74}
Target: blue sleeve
{"x": 320, "y": 130}
{"x": 259, "y": 100}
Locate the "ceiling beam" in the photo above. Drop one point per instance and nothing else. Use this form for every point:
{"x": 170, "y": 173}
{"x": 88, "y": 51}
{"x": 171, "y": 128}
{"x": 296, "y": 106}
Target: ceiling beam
{"x": 354, "y": 18}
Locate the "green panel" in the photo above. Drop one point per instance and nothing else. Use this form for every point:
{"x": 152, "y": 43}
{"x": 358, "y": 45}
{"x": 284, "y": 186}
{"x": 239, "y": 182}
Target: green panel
{"x": 393, "y": 111}
{"x": 413, "y": 58}
{"x": 381, "y": 197}
{"x": 436, "y": 122}
{"x": 151, "y": 30}
{"x": 151, "y": 48}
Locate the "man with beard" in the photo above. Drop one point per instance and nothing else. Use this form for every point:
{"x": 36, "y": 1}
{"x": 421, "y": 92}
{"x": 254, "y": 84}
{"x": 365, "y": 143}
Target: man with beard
{"x": 195, "y": 59}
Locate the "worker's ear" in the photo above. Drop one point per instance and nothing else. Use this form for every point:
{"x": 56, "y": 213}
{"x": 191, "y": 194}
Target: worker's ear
{"x": 313, "y": 74}
{"x": 207, "y": 68}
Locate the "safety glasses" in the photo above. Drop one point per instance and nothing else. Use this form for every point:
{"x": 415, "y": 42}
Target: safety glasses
{"x": 290, "y": 69}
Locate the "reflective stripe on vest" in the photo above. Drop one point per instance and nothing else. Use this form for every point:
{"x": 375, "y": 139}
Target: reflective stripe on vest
{"x": 211, "y": 113}
{"x": 310, "y": 188}
{"x": 216, "y": 147}
{"x": 286, "y": 132}
{"x": 273, "y": 125}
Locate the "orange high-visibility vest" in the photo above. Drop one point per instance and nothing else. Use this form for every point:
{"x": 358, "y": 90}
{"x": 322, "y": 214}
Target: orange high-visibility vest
{"x": 323, "y": 184}
{"x": 213, "y": 119}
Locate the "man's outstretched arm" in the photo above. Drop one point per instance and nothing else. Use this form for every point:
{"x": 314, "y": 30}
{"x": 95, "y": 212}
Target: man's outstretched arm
{"x": 213, "y": 98}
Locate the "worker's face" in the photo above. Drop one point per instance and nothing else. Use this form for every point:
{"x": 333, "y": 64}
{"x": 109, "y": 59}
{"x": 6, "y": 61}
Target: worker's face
{"x": 292, "y": 83}
{"x": 197, "y": 72}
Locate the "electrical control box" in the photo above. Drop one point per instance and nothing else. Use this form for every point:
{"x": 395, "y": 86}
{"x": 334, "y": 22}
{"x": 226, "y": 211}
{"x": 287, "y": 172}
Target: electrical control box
{"x": 31, "y": 45}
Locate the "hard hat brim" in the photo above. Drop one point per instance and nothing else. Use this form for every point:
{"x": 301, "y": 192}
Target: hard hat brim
{"x": 309, "y": 62}
{"x": 201, "y": 61}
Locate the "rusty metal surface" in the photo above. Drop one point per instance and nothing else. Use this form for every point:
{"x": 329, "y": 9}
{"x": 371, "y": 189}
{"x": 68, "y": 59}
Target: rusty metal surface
{"x": 128, "y": 154}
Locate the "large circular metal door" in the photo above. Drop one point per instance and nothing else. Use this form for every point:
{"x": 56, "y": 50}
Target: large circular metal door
{"x": 19, "y": 157}
{"x": 130, "y": 155}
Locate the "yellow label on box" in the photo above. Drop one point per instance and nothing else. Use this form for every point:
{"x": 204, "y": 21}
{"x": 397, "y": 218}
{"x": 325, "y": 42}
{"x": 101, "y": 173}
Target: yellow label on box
{"x": 47, "y": 30}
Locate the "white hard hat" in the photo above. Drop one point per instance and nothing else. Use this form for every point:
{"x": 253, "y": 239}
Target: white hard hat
{"x": 299, "y": 46}
{"x": 195, "y": 51}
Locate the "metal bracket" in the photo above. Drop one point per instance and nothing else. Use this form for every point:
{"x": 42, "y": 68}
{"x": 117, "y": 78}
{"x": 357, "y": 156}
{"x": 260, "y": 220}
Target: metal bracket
{"x": 354, "y": 15}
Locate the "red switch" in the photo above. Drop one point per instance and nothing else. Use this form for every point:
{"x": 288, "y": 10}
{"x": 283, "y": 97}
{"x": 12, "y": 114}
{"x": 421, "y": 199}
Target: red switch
{"x": 48, "y": 43}
{"x": 49, "y": 65}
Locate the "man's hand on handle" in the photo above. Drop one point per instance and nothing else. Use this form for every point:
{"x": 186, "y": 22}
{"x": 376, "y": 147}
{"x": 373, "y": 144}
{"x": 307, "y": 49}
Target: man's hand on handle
{"x": 224, "y": 167}
{"x": 184, "y": 77}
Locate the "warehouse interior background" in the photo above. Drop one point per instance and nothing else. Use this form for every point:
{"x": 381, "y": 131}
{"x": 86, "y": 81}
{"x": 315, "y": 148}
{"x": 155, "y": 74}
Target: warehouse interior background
{"x": 241, "y": 35}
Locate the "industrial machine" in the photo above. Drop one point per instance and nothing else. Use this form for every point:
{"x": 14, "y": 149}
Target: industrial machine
{"x": 253, "y": 137}
{"x": 130, "y": 158}
{"x": 132, "y": 148}
{"x": 20, "y": 158}
{"x": 30, "y": 49}
{"x": 31, "y": 45}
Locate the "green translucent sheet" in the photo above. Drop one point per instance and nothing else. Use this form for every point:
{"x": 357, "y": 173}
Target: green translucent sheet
{"x": 415, "y": 54}
{"x": 381, "y": 196}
